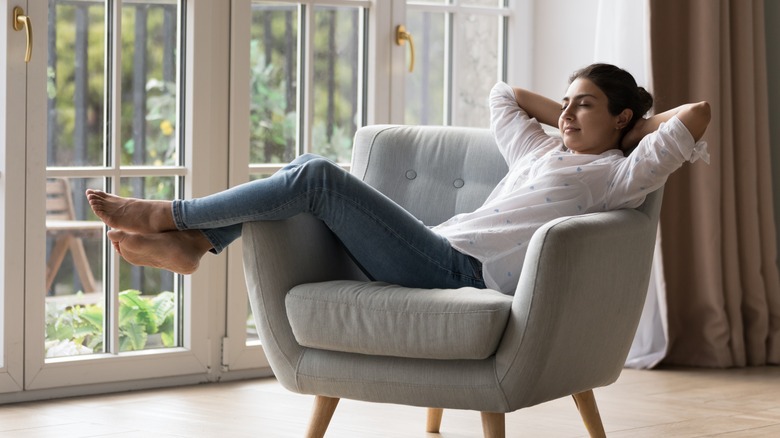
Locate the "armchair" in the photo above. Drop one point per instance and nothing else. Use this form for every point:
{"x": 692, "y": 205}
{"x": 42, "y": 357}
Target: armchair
{"x": 329, "y": 332}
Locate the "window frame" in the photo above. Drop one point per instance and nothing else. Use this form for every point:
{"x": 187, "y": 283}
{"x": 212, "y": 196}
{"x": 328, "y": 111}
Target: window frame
{"x": 193, "y": 361}
{"x": 13, "y": 86}
{"x": 238, "y": 354}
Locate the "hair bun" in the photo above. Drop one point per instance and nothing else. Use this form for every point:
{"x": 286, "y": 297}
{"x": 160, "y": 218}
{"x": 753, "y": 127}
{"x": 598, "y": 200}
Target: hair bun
{"x": 645, "y": 100}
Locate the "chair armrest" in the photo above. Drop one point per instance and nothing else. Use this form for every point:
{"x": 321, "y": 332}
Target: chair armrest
{"x": 577, "y": 304}
{"x": 279, "y": 255}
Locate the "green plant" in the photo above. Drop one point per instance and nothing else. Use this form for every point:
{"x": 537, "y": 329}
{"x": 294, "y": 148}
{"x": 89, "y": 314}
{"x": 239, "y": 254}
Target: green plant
{"x": 272, "y": 124}
{"x": 79, "y": 329}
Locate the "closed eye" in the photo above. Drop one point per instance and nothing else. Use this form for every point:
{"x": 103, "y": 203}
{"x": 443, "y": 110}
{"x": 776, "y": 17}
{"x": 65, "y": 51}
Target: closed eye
{"x": 580, "y": 104}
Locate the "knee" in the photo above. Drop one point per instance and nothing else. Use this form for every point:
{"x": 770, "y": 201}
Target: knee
{"x": 305, "y": 158}
{"x": 319, "y": 165}
{"x": 309, "y": 164}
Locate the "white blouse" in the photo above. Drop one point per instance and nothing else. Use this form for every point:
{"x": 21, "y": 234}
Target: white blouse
{"x": 547, "y": 181}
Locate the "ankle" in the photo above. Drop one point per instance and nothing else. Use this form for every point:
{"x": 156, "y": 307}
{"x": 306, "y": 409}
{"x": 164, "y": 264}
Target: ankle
{"x": 198, "y": 241}
{"x": 164, "y": 217}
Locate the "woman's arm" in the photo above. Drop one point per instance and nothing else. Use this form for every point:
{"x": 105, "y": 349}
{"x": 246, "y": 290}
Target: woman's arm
{"x": 695, "y": 117}
{"x": 544, "y": 110}
{"x": 516, "y": 129}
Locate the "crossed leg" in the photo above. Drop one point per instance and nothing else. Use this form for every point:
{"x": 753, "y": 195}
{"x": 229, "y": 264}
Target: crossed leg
{"x": 144, "y": 233}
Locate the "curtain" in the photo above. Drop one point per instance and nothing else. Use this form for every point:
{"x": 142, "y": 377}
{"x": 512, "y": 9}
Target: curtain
{"x": 717, "y": 222}
{"x": 623, "y": 39}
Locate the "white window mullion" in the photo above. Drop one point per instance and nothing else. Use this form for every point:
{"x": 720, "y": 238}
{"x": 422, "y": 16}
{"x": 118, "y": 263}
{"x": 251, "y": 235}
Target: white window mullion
{"x": 34, "y": 105}
{"x": 379, "y": 82}
{"x": 113, "y": 146}
{"x": 236, "y": 354}
{"x": 450, "y": 58}
{"x": 306, "y": 76}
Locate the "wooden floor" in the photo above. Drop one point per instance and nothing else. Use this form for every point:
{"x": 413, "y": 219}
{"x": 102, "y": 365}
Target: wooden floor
{"x": 660, "y": 403}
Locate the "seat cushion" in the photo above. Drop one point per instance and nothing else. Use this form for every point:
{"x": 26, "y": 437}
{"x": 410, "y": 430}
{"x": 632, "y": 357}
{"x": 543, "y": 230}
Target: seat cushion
{"x": 381, "y": 319}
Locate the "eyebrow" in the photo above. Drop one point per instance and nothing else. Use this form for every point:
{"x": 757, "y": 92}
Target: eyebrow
{"x": 579, "y": 96}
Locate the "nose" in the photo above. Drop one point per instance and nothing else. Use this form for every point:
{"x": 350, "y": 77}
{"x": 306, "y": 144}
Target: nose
{"x": 566, "y": 114}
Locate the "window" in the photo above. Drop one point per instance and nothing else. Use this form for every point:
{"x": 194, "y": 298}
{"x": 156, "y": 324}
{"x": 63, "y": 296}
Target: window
{"x": 141, "y": 158}
{"x": 298, "y": 73}
{"x": 100, "y": 108}
{"x": 460, "y": 54}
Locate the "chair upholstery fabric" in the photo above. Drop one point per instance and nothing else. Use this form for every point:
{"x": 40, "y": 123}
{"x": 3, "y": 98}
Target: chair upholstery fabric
{"x": 388, "y": 320}
{"x": 572, "y": 317}
{"x": 453, "y": 173}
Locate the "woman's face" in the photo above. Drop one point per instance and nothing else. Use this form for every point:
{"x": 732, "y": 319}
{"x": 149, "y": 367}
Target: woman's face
{"x": 586, "y": 124}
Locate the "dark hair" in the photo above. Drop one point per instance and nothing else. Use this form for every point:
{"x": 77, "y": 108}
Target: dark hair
{"x": 621, "y": 90}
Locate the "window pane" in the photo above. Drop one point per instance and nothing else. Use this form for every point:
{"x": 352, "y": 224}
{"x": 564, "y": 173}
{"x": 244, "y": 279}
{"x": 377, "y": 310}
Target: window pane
{"x": 476, "y": 66}
{"x": 149, "y": 90}
{"x": 336, "y": 79}
{"x": 273, "y": 83}
{"x": 76, "y": 64}
{"x": 74, "y": 265}
{"x": 425, "y": 87}
{"x": 148, "y": 304}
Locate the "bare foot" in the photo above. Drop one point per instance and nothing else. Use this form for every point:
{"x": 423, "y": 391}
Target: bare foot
{"x": 130, "y": 214}
{"x": 177, "y": 251}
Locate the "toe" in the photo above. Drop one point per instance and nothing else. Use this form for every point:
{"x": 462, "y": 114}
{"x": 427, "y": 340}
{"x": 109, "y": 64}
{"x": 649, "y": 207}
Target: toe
{"x": 116, "y": 236}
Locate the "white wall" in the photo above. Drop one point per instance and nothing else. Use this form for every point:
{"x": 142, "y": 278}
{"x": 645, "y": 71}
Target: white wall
{"x": 552, "y": 39}
{"x": 557, "y": 37}
{"x": 564, "y": 36}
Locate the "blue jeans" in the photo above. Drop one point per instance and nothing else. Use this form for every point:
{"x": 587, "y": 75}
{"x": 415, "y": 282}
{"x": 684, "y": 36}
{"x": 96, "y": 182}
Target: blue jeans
{"x": 386, "y": 241}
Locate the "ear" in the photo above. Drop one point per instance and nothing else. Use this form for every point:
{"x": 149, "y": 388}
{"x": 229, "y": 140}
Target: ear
{"x": 623, "y": 118}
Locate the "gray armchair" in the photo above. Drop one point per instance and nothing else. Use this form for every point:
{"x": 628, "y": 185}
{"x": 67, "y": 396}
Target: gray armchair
{"x": 329, "y": 332}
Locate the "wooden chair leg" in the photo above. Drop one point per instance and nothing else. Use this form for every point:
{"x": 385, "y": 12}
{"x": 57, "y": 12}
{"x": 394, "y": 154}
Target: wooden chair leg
{"x": 81, "y": 262}
{"x": 493, "y": 425}
{"x": 434, "y": 420}
{"x": 56, "y": 257}
{"x": 586, "y": 404}
{"x": 320, "y": 418}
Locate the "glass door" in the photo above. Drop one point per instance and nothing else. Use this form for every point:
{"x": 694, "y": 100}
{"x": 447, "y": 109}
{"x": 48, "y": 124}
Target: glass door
{"x": 103, "y": 111}
{"x": 298, "y": 72}
{"x": 306, "y": 74}
{"x": 460, "y": 51}
{"x": 13, "y": 86}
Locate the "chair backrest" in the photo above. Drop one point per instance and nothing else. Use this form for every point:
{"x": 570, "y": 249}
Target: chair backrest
{"x": 59, "y": 202}
{"x": 461, "y": 167}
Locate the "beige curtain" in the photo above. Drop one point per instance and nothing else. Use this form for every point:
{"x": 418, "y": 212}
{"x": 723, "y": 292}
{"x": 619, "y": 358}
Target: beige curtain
{"x": 717, "y": 221}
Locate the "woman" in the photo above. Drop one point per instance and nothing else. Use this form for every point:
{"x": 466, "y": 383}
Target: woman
{"x": 583, "y": 171}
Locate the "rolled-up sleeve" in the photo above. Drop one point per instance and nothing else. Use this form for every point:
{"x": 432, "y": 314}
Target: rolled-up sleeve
{"x": 515, "y": 132}
{"x": 654, "y": 159}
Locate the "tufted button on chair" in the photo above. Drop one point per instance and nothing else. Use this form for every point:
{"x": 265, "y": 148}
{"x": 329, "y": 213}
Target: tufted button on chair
{"x": 329, "y": 332}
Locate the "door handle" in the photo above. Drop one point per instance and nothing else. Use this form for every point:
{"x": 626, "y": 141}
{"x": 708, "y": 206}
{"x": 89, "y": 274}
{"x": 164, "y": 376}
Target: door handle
{"x": 401, "y": 36}
{"x": 20, "y": 22}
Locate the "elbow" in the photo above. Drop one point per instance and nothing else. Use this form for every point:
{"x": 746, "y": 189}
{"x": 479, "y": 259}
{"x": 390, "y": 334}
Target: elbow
{"x": 703, "y": 111}
{"x": 696, "y": 118}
